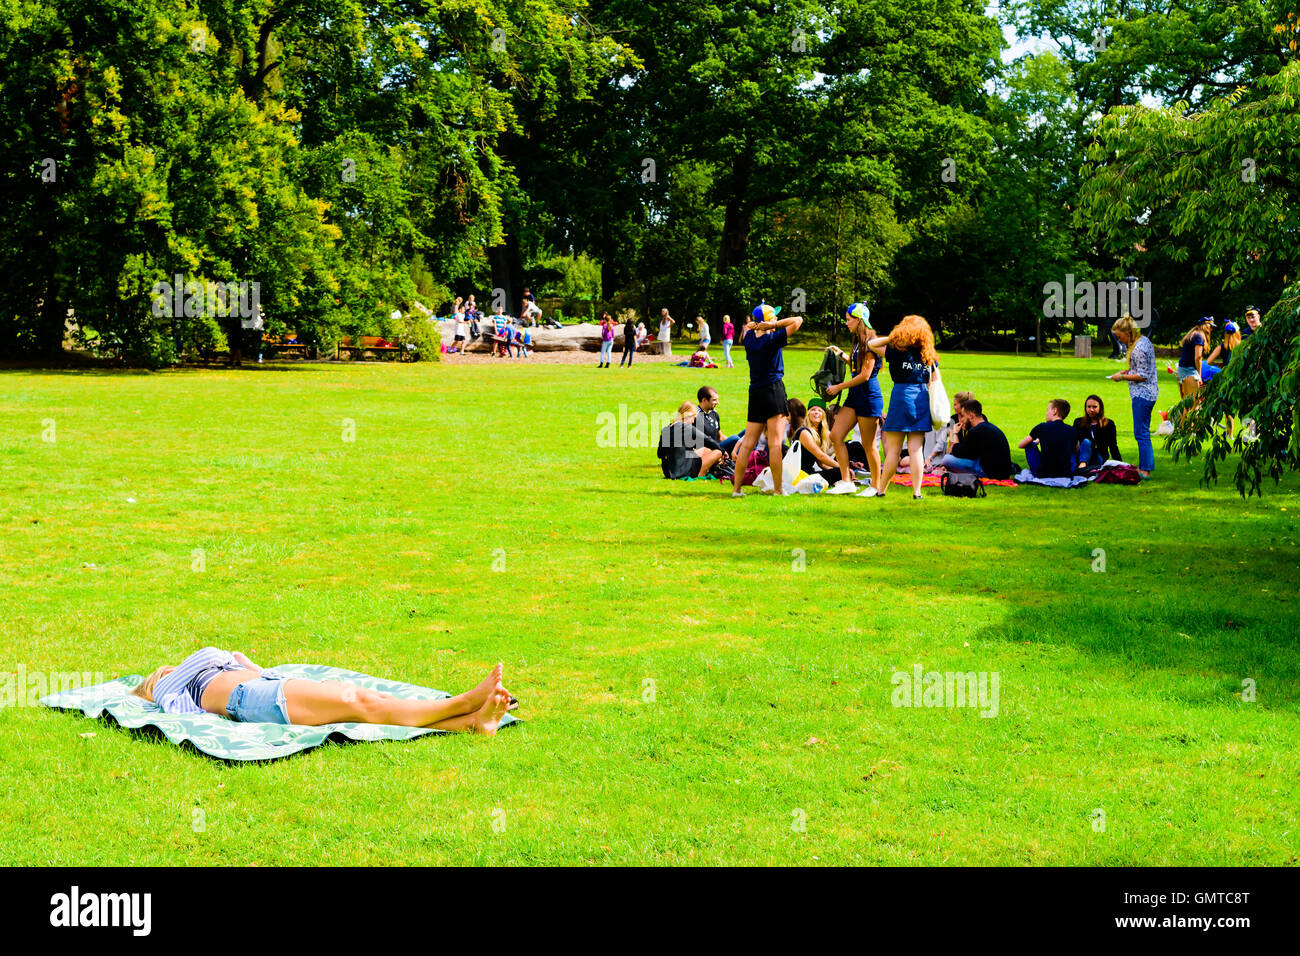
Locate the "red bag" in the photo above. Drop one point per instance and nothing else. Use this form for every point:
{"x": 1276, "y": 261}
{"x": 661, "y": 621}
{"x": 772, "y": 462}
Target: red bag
{"x": 757, "y": 462}
{"x": 1118, "y": 475}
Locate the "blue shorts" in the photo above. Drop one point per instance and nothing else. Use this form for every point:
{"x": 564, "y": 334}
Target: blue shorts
{"x": 867, "y": 400}
{"x": 259, "y": 701}
{"x": 1186, "y": 371}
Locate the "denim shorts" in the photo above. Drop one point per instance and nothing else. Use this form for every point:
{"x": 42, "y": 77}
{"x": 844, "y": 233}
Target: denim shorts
{"x": 1186, "y": 372}
{"x": 259, "y": 701}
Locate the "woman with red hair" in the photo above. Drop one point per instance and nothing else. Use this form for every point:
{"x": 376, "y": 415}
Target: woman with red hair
{"x": 912, "y": 361}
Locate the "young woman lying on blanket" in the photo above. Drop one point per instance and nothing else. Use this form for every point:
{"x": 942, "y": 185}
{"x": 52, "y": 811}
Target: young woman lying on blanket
{"x": 230, "y": 685}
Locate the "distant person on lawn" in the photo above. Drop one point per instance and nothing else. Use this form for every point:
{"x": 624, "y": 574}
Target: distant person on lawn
{"x": 765, "y": 336}
{"x": 606, "y": 339}
{"x": 666, "y": 331}
{"x": 629, "y": 341}
{"x": 983, "y": 449}
{"x": 1052, "y": 447}
{"x": 230, "y": 685}
{"x": 728, "y": 336}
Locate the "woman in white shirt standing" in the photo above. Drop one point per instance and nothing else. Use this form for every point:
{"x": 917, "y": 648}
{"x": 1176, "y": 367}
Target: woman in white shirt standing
{"x": 666, "y": 331}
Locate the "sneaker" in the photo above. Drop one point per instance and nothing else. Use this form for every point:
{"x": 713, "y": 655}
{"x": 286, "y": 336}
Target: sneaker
{"x": 842, "y": 487}
{"x": 737, "y": 494}
{"x": 870, "y": 492}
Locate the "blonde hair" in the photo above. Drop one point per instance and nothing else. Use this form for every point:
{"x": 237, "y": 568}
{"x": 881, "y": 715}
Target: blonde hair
{"x": 915, "y": 332}
{"x": 822, "y": 431}
{"x": 1232, "y": 339}
{"x": 1128, "y": 328}
{"x": 1204, "y": 328}
{"x": 683, "y": 410}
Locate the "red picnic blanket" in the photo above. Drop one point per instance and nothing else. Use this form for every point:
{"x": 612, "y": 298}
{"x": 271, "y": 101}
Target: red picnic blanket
{"x": 932, "y": 481}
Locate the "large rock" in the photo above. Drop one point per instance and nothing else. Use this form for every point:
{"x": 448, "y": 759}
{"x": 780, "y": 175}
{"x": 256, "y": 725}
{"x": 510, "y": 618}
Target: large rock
{"x": 584, "y": 337}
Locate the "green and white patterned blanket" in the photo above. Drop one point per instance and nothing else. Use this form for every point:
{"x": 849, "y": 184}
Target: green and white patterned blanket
{"x": 232, "y": 740}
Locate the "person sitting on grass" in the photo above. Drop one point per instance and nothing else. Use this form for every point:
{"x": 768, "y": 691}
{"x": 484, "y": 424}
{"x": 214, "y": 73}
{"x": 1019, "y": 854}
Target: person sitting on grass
{"x": 213, "y": 681}
{"x": 814, "y": 439}
{"x": 1052, "y": 447}
{"x": 684, "y": 450}
{"x": 983, "y": 448}
{"x": 706, "y": 415}
{"x": 1096, "y": 434}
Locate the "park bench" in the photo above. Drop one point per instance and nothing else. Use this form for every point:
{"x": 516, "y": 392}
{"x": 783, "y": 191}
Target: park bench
{"x": 273, "y": 345}
{"x": 371, "y": 344}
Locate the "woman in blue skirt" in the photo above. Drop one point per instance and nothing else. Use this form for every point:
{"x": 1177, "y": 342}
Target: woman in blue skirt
{"x": 912, "y": 361}
{"x": 864, "y": 404}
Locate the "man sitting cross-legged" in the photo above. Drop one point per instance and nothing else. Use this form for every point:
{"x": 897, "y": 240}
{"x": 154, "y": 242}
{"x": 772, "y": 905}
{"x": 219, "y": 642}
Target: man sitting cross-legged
{"x": 1052, "y": 448}
{"x": 983, "y": 449}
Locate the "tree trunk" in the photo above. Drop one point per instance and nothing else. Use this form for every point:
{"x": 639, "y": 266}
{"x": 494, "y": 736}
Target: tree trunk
{"x": 735, "y": 234}
{"x": 507, "y": 272}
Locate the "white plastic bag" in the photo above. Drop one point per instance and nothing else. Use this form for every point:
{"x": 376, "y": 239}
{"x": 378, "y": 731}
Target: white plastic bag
{"x": 763, "y": 481}
{"x": 811, "y": 485}
{"x": 940, "y": 409}
{"x": 791, "y": 465}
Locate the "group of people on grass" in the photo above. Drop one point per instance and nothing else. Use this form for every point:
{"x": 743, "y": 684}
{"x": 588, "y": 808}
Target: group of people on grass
{"x": 1198, "y": 363}
{"x": 510, "y": 334}
{"x": 860, "y": 440}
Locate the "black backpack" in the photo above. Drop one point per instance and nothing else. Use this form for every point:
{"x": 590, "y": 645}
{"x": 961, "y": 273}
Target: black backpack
{"x": 958, "y": 485}
{"x": 831, "y": 372}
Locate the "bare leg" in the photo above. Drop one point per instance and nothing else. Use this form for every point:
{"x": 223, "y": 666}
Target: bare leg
{"x": 744, "y": 448}
{"x": 916, "y": 456}
{"x": 869, "y": 428}
{"x": 893, "y": 450}
{"x": 331, "y": 702}
{"x": 844, "y": 423}
{"x": 774, "y": 435}
{"x": 708, "y": 458}
{"x": 483, "y": 721}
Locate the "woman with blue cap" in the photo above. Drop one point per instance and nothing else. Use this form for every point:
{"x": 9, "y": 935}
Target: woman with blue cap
{"x": 864, "y": 404}
{"x": 764, "y": 337}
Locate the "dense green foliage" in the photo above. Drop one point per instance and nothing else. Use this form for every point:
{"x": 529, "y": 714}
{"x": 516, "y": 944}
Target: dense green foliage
{"x": 355, "y": 156}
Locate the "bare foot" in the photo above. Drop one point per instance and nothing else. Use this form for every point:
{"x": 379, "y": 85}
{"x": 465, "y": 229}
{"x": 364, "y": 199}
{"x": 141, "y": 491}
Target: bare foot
{"x": 488, "y": 718}
{"x": 480, "y": 694}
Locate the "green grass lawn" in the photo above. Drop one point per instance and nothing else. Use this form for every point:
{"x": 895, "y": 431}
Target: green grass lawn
{"x": 689, "y": 697}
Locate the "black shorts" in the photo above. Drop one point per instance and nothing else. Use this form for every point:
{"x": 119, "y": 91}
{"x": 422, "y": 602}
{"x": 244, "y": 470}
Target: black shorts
{"x": 696, "y": 464}
{"x": 766, "y": 401}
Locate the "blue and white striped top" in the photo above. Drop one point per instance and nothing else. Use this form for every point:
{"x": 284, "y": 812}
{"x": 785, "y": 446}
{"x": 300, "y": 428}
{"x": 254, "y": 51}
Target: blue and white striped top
{"x": 181, "y": 691}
